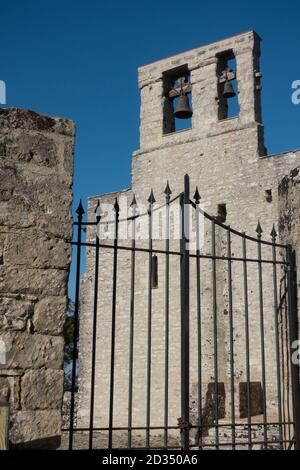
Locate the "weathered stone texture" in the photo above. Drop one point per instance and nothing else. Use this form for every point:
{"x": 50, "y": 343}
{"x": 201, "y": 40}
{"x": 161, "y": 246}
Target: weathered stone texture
{"x": 34, "y": 351}
{"x": 18, "y": 119}
{"x": 39, "y": 282}
{"x": 289, "y": 207}
{"x": 289, "y": 214}
{"x": 66, "y": 409}
{"x": 49, "y": 383}
{"x": 15, "y": 313}
{"x": 41, "y": 428}
{"x": 49, "y": 315}
{"x": 36, "y": 170}
{"x": 10, "y": 391}
{"x": 228, "y": 161}
{"x": 46, "y": 252}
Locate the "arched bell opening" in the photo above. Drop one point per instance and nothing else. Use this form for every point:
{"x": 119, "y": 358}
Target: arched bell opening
{"x": 228, "y": 104}
{"x": 177, "y": 108}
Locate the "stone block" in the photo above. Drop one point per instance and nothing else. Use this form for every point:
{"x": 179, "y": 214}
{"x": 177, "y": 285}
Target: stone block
{"x": 45, "y": 252}
{"x": 36, "y": 429}
{"x": 14, "y": 313}
{"x": 24, "y": 351}
{"x": 23, "y": 280}
{"x": 42, "y": 389}
{"x": 49, "y": 315}
{"x": 33, "y": 149}
{"x": 30, "y": 199}
{"x": 14, "y": 118}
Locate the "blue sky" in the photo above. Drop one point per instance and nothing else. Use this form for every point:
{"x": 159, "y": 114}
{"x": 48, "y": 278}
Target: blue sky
{"x": 79, "y": 60}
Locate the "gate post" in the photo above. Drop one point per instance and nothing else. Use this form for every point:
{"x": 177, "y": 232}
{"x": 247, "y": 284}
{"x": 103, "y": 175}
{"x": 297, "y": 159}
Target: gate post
{"x": 185, "y": 308}
{"x": 293, "y": 332}
{"x": 36, "y": 169}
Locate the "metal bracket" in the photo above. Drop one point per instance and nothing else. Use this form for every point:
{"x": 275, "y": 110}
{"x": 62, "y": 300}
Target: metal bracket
{"x": 183, "y": 424}
{"x": 227, "y": 75}
{"x": 184, "y": 87}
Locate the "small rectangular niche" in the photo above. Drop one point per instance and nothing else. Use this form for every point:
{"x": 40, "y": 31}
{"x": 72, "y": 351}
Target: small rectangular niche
{"x": 173, "y": 80}
{"x": 154, "y": 272}
{"x": 228, "y": 107}
{"x": 222, "y": 213}
{"x": 268, "y": 195}
{"x": 255, "y": 399}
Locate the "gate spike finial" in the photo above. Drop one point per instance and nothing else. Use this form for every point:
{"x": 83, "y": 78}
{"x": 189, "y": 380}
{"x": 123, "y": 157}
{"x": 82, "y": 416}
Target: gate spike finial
{"x": 273, "y": 233}
{"x": 167, "y": 190}
{"x": 151, "y": 198}
{"x": 80, "y": 210}
{"x": 197, "y": 196}
{"x": 116, "y": 205}
{"x": 259, "y": 230}
{"x": 133, "y": 202}
{"x": 98, "y": 211}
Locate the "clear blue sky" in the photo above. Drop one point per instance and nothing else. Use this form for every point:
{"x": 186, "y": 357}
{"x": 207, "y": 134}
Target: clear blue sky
{"x": 79, "y": 60}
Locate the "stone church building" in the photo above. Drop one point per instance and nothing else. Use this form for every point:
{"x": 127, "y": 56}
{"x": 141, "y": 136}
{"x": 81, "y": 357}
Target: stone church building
{"x": 222, "y": 150}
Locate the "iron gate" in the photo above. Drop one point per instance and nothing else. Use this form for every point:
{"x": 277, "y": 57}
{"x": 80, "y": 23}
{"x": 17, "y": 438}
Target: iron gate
{"x": 238, "y": 385}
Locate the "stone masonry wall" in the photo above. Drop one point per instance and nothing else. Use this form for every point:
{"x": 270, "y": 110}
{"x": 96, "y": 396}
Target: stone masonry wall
{"x": 36, "y": 169}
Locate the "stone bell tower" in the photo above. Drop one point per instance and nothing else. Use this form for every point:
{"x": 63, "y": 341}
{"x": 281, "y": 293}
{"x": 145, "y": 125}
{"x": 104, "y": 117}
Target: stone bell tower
{"x": 211, "y": 129}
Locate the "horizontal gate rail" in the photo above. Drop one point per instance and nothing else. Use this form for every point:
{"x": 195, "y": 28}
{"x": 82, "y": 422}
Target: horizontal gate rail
{"x": 171, "y": 252}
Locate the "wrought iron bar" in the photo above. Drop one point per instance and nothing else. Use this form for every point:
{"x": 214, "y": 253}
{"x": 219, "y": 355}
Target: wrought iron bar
{"x": 197, "y": 199}
{"x": 230, "y": 309}
{"x": 293, "y": 333}
{"x": 131, "y": 327}
{"x": 288, "y": 361}
{"x": 281, "y": 320}
{"x": 79, "y": 212}
{"x": 168, "y": 193}
{"x": 259, "y": 232}
{"x": 246, "y": 306}
{"x": 156, "y": 428}
{"x": 94, "y": 335}
{"x": 185, "y": 309}
{"x": 215, "y": 329}
{"x": 277, "y": 346}
{"x": 151, "y": 201}
{"x": 113, "y": 324}
{"x": 171, "y": 252}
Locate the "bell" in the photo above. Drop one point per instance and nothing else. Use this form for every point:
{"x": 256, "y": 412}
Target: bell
{"x": 183, "y": 110}
{"x": 228, "y": 91}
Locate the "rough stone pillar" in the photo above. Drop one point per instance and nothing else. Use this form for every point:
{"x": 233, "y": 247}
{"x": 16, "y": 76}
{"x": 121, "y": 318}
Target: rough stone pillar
{"x": 289, "y": 224}
{"x": 36, "y": 168}
{"x": 289, "y": 212}
{"x": 289, "y": 215}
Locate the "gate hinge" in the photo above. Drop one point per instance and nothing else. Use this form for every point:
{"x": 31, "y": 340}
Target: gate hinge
{"x": 183, "y": 424}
